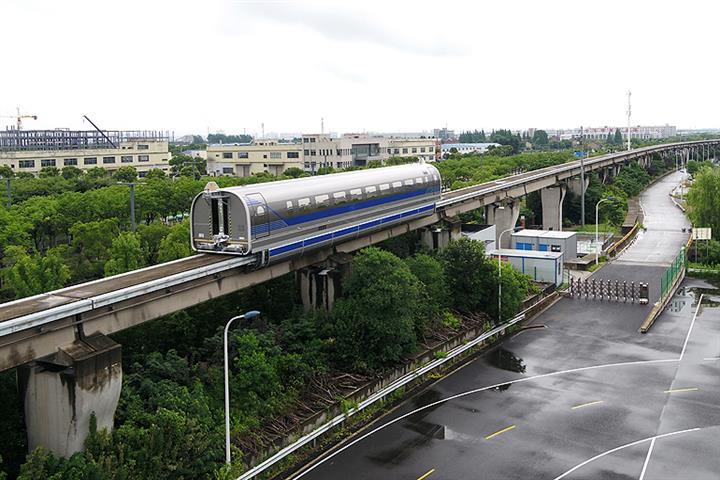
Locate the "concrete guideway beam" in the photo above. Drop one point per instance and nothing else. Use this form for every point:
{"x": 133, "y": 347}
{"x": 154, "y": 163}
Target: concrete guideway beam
{"x": 504, "y": 216}
{"x": 63, "y": 391}
{"x": 552, "y": 212}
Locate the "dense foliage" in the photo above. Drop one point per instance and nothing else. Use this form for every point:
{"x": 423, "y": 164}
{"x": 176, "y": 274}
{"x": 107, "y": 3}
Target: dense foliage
{"x": 704, "y": 199}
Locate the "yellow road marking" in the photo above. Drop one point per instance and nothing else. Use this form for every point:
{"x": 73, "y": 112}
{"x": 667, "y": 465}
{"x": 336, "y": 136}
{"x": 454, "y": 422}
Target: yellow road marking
{"x": 586, "y": 405}
{"x": 499, "y": 432}
{"x": 426, "y": 474}
{"x": 678, "y": 390}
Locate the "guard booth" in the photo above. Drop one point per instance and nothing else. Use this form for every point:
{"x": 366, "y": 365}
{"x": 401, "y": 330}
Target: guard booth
{"x": 546, "y": 241}
{"x": 540, "y": 266}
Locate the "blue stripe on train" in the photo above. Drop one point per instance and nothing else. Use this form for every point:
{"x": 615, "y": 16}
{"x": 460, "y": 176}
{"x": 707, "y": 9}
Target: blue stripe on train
{"x": 282, "y": 223}
{"x": 347, "y": 231}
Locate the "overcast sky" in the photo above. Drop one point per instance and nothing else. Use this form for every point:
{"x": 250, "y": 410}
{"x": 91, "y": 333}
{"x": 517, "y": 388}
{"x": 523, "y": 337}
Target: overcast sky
{"x": 190, "y": 66}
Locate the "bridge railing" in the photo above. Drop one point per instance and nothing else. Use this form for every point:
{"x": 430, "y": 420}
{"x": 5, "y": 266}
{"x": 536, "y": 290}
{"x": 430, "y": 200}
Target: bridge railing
{"x": 671, "y": 274}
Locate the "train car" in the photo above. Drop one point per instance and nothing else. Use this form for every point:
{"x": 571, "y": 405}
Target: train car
{"x": 281, "y": 219}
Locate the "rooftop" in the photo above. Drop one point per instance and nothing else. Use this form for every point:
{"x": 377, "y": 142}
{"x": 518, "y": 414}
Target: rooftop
{"x": 543, "y": 233}
{"x": 508, "y": 252}
{"x": 65, "y": 139}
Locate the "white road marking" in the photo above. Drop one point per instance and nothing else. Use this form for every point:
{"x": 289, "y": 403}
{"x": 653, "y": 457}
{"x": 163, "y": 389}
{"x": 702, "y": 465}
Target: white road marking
{"x": 621, "y": 447}
{"x": 692, "y": 324}
{"x": 647, "y": 459}
{"x": 478, "y": 390}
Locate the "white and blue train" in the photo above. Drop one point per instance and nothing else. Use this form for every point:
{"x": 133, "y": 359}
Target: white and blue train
{"x": 277, "y": 220}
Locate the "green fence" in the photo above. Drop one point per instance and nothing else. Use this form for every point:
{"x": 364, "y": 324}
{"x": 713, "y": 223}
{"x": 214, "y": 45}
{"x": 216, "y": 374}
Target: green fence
{"x": 671, "y": 274}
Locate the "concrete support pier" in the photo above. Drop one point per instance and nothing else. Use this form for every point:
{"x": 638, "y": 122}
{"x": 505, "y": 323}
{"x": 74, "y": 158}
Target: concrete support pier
{"x": 63, "y": 391}
{"x": 575, "y": 184}
{"x": 321, "y": 284}
{"x": 503, "y": 216}
{"x": 552, "y": 212}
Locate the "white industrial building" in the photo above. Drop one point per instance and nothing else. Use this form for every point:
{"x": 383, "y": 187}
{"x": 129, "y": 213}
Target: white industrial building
{"x": 546, "y": 241}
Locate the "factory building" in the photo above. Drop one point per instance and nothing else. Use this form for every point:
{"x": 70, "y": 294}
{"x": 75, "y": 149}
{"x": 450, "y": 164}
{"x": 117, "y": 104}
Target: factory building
{"x": 31, "y": 150}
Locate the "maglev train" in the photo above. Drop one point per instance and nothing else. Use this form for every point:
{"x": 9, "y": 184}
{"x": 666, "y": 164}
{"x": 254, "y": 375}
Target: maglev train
{"x": 281, "y": 219}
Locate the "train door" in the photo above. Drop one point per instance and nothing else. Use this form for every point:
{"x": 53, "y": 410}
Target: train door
{"x": 259, "y": 215}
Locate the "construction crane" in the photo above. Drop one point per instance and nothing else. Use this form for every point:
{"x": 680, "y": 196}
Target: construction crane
{"x": 19, "y": 118}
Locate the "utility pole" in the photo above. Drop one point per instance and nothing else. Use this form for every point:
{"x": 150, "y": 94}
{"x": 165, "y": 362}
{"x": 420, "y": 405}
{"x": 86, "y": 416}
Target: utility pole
{"x": 582, "y": 178}
{"x": 628, "y": 114}
{"x": 9, "y": 192}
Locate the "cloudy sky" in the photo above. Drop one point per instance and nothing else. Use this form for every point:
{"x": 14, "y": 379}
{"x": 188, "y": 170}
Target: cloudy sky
{"x": 219, "y": 65}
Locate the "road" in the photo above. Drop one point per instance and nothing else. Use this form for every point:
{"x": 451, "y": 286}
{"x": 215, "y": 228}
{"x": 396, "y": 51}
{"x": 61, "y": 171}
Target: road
{"x": 583, "y": 395}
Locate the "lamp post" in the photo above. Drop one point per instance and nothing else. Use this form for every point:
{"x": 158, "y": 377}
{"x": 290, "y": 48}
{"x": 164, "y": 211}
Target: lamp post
{"x": 8, "y": 190}
{"x": 597, "y": 221}
{"x": 248, "y": 316}
{"x": 500, "y": 273}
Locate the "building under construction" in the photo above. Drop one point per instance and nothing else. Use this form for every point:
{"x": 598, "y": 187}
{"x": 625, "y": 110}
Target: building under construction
{"x": 31, "y": 150}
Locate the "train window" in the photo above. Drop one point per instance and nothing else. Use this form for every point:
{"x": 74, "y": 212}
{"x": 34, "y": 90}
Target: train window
{"x": 396, "y": 184}
{"x": 289, "y": 206}
{"x": 322, "y": 200}
{"x": 409, "y": 182}
{"x": 304, "y": 203}
{"x": 419, "y": 180}
{"x": 384, "y": 187}
{"x": 339, "y": 197}
{"x": 356, "y": 193}
{"x": 370, "y": 191}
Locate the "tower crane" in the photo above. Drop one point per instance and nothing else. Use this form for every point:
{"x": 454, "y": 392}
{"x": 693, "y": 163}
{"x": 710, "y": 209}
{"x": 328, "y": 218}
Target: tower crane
{"x": 19, "y": 118}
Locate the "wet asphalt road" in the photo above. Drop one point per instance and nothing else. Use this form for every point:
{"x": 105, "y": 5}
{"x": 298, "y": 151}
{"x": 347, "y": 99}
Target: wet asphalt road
{"x": 580, "y": 386}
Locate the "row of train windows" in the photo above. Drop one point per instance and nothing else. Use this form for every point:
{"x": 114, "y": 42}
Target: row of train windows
{"x": 354, "y": 194}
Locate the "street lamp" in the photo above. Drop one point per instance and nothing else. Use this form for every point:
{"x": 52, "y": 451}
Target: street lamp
{"x": 132, "y": 203}
{"x": 500, "y": 273}
{"x": 597, "y": 221}
{"x": 246, "y": 316}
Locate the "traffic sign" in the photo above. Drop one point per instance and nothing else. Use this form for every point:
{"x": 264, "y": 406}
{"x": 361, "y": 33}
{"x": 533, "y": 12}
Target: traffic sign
{"x": 702, "y": 233}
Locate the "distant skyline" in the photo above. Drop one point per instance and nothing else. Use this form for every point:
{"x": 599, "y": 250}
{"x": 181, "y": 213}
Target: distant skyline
{"x": 193, "y": 67}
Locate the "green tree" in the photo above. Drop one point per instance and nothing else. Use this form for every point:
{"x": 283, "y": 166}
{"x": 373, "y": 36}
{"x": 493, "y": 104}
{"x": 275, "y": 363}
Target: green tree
{"x": 471, "y": 277}
{"x": 89, "y": 247}
{"x": 155, "y": 173}
{"x": 150, "y": 238}
{"x": 176, "y": 243}
{"x": 617, "y": 139}
{"x": 49, "y": 172}
{"x": 125, "y": 174}
{"x": 295, "y": 172}
{"x": 126, "y": 254}
{"x": 431, "y": 274}
{"x": 33, "y": 274}
{"x": 375, "y": 320}
{"x": 540, "y": 138}
{"x": 70, "y": 172}
{"x": 704, "y": 199}
{"x": 6, "y": 172}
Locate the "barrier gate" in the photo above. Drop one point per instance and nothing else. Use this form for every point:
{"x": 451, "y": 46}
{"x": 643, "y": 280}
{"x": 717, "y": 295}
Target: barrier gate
{"x": 609, "y": 290}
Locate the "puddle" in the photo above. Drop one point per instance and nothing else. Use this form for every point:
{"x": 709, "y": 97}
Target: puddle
{"x": 506, "y": 360}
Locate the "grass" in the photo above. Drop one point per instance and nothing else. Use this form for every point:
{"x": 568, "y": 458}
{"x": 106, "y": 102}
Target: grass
{"x": 590, "y": 228}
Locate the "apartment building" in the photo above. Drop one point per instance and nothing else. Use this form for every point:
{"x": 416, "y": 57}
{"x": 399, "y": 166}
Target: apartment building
{"x": 31, "y": 150}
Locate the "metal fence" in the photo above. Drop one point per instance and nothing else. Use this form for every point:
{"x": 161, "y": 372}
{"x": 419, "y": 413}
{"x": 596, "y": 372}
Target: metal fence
{"x": 670, "y": 275}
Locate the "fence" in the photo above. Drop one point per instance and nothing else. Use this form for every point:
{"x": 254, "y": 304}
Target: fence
{"x": 670, "y": 275}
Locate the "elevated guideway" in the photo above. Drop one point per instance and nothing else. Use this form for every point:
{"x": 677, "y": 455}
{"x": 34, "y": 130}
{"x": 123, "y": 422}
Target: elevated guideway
{"x": 35, "y": 327}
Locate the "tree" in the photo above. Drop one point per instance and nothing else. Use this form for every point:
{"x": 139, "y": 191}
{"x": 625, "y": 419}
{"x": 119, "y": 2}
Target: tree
{"x": 6, "y": 172}
{"x": 222, "y": 138}
{"x": 506, "y": 137}
{"x": 704, "y": 199}
{"x": 49, "y": 172}
{"x": 618, "y": 139}
{"x": 125, "y": 174}
{"x": 150, "y": 237}
{"x": 540, "y": 138}
{"x": 32, "y": 274}
{"x": 90, "y": 245}
{"x": 295, "y": 172}
{"x": 431, "y": 274}
{"x": 70, "y": 172}
{"x": 155, "y": 173}
{"x": 375, "y": 320}
{"x": 176, "y": 244}
{"x": 126, "y": 254}
{"x": 470, "y": 276}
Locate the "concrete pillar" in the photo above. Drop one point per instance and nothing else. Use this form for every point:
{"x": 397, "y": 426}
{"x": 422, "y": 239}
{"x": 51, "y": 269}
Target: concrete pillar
{"x": 503, "y": 216}
{"x": 435, "y": 238}
{"x": 576, "y": 187}
{"x": 321, "y": 284}
{"x": 552, "y": 200}
{"x": 62, "y": 392}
